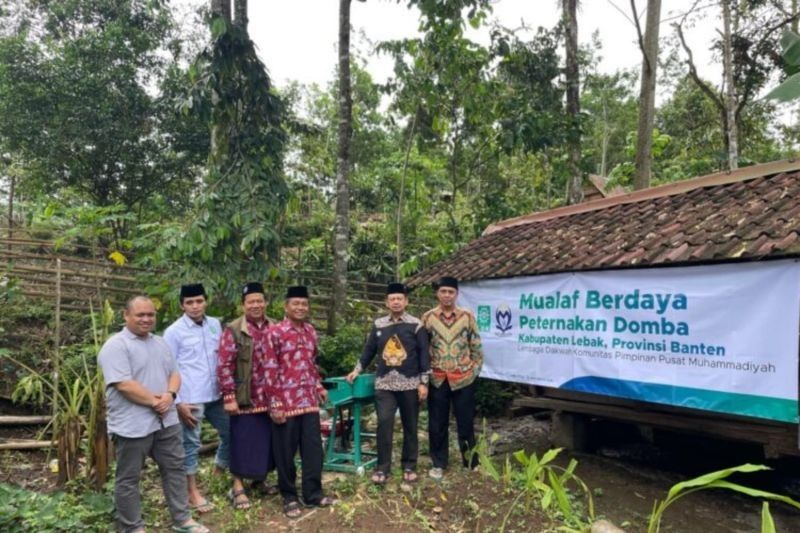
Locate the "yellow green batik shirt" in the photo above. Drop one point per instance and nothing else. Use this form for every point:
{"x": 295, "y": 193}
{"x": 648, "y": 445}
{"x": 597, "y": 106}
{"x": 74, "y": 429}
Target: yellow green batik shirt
{"x": 455, "y": 347}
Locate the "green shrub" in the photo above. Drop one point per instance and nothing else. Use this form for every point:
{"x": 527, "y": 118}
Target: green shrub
{"x": 493, "y": 398}
{"x": 23, "y": 510}
{"x": 339, "y": 353}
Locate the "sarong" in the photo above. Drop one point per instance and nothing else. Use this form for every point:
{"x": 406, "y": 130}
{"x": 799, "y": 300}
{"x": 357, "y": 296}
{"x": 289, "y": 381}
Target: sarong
{"x": 251, "y": 446}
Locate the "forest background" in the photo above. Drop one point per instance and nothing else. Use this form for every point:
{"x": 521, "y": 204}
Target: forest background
{"x": 151, "y": 130}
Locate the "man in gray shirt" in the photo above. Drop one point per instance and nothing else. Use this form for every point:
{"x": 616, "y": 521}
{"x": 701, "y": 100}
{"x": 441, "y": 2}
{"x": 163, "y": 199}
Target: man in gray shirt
{"x": 142, "y": 381}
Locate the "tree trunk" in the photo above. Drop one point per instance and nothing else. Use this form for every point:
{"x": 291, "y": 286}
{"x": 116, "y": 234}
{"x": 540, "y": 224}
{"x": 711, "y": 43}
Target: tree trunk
{"x": 240, "y": 14}
{"x": 730, "y": 89}
{"x": 342, "y": 230}
{"x": 221, "y": 8}
{"x": 398, "y": 255}
{"x": 647, "y": 96}
{"x": 603, "y": 171}
{"x": 575, "y": 183}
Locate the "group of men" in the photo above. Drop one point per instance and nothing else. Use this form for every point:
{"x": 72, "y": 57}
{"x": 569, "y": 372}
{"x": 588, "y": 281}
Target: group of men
{"x": 257, "y": 382}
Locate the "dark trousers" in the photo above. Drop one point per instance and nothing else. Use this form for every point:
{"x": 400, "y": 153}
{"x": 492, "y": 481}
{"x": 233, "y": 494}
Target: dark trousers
{"x": 463, "y": 400}
{"x": 301, "y": 431}
{"x": 386, "y": 404}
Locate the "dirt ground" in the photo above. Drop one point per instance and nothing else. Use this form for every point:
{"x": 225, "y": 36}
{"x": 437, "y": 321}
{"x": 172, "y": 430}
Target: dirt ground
{"x": 625, "y": 474}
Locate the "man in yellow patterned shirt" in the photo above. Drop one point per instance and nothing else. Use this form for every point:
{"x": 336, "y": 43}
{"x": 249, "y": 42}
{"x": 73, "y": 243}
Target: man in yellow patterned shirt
{"x": 456, "y": 359}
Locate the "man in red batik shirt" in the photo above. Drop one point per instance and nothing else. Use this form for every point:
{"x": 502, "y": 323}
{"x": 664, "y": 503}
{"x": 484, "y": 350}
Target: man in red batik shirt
{"x": 296, "y": 392}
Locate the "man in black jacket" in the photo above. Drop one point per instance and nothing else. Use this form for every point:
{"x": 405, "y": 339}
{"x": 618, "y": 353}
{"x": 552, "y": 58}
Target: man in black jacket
{"x": 401, "y": 379}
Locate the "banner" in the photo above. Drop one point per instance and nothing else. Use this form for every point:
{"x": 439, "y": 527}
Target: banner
{"x": 721, "y": 337}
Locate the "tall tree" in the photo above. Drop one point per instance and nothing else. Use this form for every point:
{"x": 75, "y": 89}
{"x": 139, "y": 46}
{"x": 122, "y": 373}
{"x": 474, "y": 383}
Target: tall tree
{"x": 234, "y": 233}
{"x": 78, "y": 109}
{"x": 647, "y": 91}
{"x": 750, "y": 55}
{"x": 730, "y": 89}
{"x": 575, "y": 183}
{"x": 342, "y": 228}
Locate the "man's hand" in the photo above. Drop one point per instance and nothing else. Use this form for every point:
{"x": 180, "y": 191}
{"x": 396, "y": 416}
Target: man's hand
{"x": 185, "y": 411}
{"x": 351, "y": 376}
{"x": 231, "y": 406}
{"x": 422, "y": 391}
{"x": 277, "y": 416}
{"x": 162, "y": 403}
{"x": 323, "y": 396}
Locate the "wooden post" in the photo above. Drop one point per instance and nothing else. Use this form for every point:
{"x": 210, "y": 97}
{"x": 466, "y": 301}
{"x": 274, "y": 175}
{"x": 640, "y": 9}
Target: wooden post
{"x": 11, "y": 209}
{"x": 569, "y": 430}
{"x": 57, "y": 340}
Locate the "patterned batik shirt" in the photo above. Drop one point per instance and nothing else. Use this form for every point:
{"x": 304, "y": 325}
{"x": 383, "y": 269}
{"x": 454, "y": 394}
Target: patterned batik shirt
{"x": 226, "y": 367}
{"x": 399, "y": 345}
{"x": 455, "y": 347}
{"x": 293, "y": 380}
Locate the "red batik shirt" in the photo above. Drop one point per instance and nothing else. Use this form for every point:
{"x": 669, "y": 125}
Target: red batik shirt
{"x": 226, "y": 367}
{"x": 293, "y": 379}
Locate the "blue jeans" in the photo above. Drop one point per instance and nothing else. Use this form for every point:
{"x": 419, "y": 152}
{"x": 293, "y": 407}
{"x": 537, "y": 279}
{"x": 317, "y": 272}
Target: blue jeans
{"x": 215, "y": 413}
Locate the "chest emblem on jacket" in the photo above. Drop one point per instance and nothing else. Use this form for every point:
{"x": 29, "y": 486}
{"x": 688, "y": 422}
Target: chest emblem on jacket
{"x": 393, "y": 353}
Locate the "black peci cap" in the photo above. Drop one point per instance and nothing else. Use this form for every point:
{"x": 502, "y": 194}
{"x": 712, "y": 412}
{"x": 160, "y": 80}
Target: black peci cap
{"x": 252, "y": 287}
{"x": 297, "y": 291}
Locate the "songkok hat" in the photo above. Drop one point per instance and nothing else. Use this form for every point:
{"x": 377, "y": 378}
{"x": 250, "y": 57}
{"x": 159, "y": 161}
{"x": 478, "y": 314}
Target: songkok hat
{"x": 191, "y": 290}
{"x": 395, "y": 288}
{"x": 251, "y": 288}
{"x": 446, "y": 281}
{"x": 298, "y": 291}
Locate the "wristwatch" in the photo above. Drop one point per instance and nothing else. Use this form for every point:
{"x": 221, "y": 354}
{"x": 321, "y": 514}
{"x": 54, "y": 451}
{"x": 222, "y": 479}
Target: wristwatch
{"x": 174, "y": 394}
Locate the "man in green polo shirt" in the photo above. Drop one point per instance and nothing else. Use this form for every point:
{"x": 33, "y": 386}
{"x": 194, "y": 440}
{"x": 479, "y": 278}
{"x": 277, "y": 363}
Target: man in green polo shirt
{"x": 456, "y": 359}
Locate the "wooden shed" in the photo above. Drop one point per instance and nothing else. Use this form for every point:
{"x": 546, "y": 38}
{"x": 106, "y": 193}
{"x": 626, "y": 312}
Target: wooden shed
{"x": 672, "y": 307}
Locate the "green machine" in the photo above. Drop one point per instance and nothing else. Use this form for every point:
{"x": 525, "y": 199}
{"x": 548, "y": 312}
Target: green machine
{"x": 346, "y": 402}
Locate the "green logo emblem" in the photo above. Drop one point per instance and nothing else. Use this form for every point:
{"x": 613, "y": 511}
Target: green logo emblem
{"x": 484, "y": 317}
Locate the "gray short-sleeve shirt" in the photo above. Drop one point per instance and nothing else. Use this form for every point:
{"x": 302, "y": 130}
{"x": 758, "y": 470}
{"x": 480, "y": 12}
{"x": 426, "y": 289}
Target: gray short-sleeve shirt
{"x": 124, "y": 356}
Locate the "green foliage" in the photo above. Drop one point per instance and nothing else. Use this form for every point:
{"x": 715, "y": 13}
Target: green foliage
{"x": 234, "y": 234}
{"x": 339, "y": 353}
{"x": 537, "y": 480}
{"x": 77, "y": 394}
{"x": 23, "y": 510}
{"x": 789, "y": 89}
{"x": 75, "y": 100}
{"x": 493, "y": 398}
{"x": 767, "y": 523}
{"x": 718, "y": 480}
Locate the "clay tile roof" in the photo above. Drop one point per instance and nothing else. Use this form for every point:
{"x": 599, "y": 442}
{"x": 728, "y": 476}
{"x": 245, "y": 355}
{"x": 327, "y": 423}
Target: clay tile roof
{"x": 749, "y": 214}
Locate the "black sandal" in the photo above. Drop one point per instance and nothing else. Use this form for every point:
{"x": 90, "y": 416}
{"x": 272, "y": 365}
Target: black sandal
{"x": 379, "y": 477}
{"x": 263, "y": 488}
{"x": 292, "y": 509}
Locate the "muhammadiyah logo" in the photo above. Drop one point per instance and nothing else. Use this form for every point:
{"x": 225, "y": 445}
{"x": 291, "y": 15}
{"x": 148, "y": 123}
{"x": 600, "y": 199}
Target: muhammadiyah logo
{"x": 502, "y": 318}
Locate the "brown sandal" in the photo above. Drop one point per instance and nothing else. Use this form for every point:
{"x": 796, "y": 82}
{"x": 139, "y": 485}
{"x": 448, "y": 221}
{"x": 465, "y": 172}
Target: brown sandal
{"x": 379, "y": 477}
{"x": 409, "y": 476}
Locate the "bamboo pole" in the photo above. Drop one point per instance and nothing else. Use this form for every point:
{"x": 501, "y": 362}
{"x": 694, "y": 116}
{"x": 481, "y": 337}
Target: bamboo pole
{"x": 9, "y": 420}
{"x": 57, "y": 340}
{"x": 48, "y": 257}
{"x": 76, "y": 273}
{"x": 70, "y": 283}
{"x": 27, "y": 444}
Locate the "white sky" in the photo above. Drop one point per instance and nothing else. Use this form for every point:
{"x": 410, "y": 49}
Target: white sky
{"x": 297, "y": 38}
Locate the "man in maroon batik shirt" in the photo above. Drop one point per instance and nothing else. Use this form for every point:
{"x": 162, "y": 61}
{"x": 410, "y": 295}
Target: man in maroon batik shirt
{"x": 296, "y": 392}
